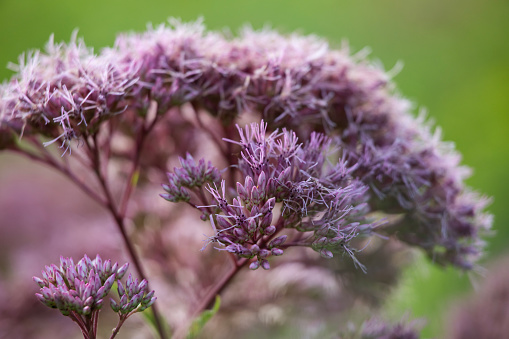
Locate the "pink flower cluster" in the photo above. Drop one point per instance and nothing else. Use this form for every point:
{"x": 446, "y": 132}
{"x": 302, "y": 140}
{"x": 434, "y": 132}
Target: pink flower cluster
{"x": 295, "y": 82}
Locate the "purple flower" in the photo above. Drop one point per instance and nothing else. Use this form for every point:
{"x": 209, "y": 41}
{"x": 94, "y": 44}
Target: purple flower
{"x": 316, "y": 195}
{"x": 77, "y": 291}
{"x": 134, "y": 297}
{"x": 329, "y": 100}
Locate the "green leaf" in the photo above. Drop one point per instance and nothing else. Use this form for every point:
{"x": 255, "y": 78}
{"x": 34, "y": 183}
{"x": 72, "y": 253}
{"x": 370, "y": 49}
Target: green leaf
{"x": 135, "y": 178}
{"x": 202, "y": 319}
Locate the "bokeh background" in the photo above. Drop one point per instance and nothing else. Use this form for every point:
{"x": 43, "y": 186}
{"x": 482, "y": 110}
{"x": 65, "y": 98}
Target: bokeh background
{"x": 456, "y": 65}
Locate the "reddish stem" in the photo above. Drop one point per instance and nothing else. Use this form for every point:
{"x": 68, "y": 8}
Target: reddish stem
{"x": 119, "y": 220}
{"x": 219, "y": 286}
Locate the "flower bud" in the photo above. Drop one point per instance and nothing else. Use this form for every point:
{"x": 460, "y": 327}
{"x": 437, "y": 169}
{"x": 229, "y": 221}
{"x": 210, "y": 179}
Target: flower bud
{"x": 262, "y": 180}
{"x": 254, "y": 265}
{"x": 120, "y": 288}
{"x": 148, "y": 297}
{"x": 276, "y": 251}
{"x": 268, "y": 206}
{"x": 223, "y": 223}
{"x": 114, "y": 306}
{"x": 148, "y": 304}
{"x": 248, "y": 184}
{"x": 142, "y": 287}
{"x": 39, "y": 282}
{"x": 271, "y": 187}
{"x": 241, "y": 191}
{"x": 263, "y": 253}
{"x": 251, "y": 226}
{"x": 109, "y": 282}
{"x": 240, "y": 233}
{"x": 270, "y": 230}
{"x": 255, "y": 195}
{"x": 122, "y": 270}
{"x": 107, "y": 267}
{"x": 278, "y": 241}
{"x": 326, "y": 254}
{"x": 255, "y": 249}
{"x": 266, "y": 221}
{"x": 86, "y": 310}
{"x": 285, "y": 175}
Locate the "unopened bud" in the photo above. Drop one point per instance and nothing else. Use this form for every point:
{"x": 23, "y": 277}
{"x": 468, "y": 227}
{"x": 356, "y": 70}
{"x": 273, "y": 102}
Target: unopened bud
{"x": 254, "y": 265}
{"x": 278, "y": 241}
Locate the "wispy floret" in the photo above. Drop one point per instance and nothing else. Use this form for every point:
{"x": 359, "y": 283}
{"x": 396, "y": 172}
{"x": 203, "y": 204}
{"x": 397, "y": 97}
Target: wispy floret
{"x": 64, "y": 92}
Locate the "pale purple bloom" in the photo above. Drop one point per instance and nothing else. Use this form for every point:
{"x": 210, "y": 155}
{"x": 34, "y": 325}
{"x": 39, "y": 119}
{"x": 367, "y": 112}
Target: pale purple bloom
{"x": 393, "y": 159}
{"x": 77, "y": 291}
{"x": 78, "y": 288}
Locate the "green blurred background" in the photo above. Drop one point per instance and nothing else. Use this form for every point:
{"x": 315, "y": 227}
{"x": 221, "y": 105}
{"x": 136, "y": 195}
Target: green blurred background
{"x": 456, "y": 58}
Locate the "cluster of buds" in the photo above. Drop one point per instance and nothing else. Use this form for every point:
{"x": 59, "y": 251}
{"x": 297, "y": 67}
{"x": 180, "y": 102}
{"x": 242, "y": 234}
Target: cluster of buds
{"x": 191, "y": 175}
{"x": 78, "y": 290}
{"x": 134, "y": 297}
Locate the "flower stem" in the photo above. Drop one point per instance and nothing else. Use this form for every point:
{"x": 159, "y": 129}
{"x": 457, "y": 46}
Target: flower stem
{"x": 208, "y": 301}
{"x": 119, "y": 221}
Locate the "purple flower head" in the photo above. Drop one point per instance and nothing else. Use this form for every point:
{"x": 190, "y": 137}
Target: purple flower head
{"x": 77, "y": 288}
{"x": 316, "y": 195}
{"x": 134, "y": 297}
{"x": 191, "y": 175}
{"x": 66, "y": 92}
{"x": 340, "y": 107}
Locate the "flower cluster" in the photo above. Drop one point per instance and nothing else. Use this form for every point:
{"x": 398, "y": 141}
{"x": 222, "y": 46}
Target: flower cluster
{"x": 190, "y": 175}
{"x": 78, "y": 288}
{"x": 67, "y": 92}
{"x": 133, "y": 297}
{"x": 316, "y": 195}
{"x": 294, "y": 82}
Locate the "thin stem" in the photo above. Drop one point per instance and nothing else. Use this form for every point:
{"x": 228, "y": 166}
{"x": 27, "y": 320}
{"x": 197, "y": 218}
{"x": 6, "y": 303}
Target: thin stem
{"x": 135, "y": 168}
{"x": 217, "y": 140}
{"x": 90, "y": 326}
{"x": 119, "y": 221}
{"x": 117, "y": 328}
{"x": 129, "y": 188}
{"x": 122, "y": 318}
{"x": 219, "y": 287}
{"x": 78, "y": 320}
{"x": 95, "y": 322}
{"x": 215, "y": 290}
{"x": 230, "y": 157}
